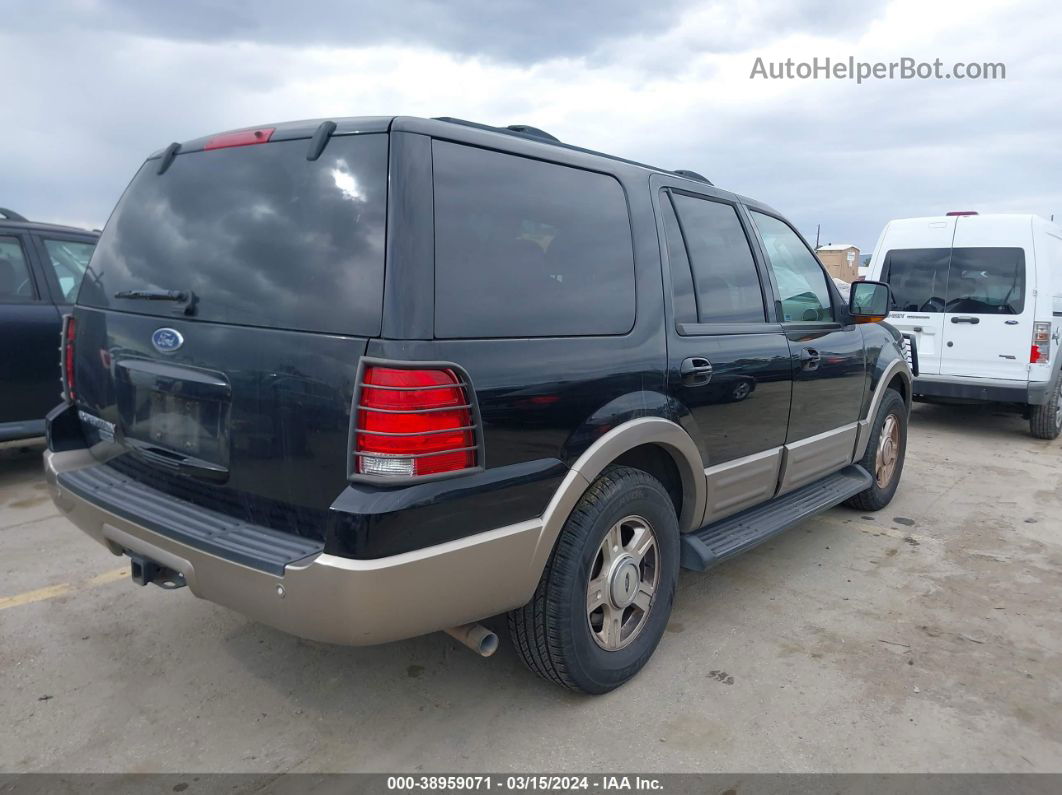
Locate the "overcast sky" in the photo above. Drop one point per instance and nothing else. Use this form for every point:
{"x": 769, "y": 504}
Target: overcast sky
{"x": 93, "y": 86}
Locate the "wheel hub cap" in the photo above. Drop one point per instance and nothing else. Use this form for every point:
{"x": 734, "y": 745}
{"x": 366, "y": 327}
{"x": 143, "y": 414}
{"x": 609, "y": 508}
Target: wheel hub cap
{"x": 625, "y": 579}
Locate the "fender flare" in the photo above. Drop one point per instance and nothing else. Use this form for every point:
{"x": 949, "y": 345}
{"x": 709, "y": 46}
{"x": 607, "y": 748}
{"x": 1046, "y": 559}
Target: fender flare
{"x": 633, "y": 433}
{"x": 896, "y": 366}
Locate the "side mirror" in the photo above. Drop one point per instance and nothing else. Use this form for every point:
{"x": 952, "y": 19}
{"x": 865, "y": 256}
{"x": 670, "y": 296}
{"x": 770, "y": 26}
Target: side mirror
{"x": 868, "y": 302}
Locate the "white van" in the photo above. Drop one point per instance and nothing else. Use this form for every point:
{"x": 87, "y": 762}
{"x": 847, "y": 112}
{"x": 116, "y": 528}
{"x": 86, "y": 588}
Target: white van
{"x": 982, "y": 297}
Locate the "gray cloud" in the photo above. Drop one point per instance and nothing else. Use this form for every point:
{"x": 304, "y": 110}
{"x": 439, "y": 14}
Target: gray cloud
{"x": 99, "y": 89}
{"x": 522, "y": 31}
{"x": 519, "y": 31}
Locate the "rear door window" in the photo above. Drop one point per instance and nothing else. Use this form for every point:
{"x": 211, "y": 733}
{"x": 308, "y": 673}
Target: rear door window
{"x": 726, "y": 284}
{"x": 917, "y": 278}
{"x": 526, "y": 248}
{"x": 987, "y": 281}
{"x": 68, "y": 259}
{"x": 16, "y": 284}
{"x": 684, "y": 301}
{"x": 260, "y": 235}
{"x": 800, "y": 279}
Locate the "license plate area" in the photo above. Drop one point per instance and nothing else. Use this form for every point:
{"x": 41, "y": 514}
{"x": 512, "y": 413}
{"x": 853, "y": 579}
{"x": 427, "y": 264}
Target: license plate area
{"x": 174, "y": 415}
{"x": 181, "y": 425}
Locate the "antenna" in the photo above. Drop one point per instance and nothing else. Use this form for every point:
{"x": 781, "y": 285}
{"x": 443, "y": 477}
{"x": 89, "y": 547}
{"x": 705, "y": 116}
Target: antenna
{"x": 818, "y": 227}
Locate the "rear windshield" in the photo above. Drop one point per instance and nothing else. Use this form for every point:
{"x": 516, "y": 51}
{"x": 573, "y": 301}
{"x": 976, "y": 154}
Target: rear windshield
{"x": 260, "y": 235}
{"x": 971, "y": 280}
{"x": 987, "y": 281}
{"x": 918, "y": 278}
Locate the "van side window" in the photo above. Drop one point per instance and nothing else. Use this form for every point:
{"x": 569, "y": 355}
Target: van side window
{"x": 526, "y": 248}
{"x": 726, "y": 284}
{"x": 917, "y": 278}
{"x": 16, "y": 285}
{"x": 801, "y": 280}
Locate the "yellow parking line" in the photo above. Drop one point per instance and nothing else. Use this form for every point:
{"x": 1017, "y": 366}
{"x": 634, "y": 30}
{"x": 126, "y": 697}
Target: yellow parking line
{"x": 63, "y": 588}
{"x": 108, "y": 577}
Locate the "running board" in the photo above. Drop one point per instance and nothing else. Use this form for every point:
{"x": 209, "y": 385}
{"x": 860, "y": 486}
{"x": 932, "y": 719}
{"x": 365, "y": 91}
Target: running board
{"x": 731, "y": 536}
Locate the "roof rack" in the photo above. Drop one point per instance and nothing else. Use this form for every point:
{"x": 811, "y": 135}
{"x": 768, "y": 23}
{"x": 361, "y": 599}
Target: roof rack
{"x": 522, "y": 130}
{"x": 534, "y": 132}
{"x": 537, "y": 134}
{"x": 685, "y": 172}
{"x": 11, "y": 215}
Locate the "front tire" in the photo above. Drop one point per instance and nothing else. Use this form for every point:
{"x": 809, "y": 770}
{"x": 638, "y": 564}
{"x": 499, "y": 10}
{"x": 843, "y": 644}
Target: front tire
{"x": 605, "y": 595}
{"x": 885, "y": 454}
{"x": 1045, "y": 422}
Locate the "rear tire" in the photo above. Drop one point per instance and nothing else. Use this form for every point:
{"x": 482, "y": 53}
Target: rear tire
{"x": 1045, "y": 422}
{"x": 622, "y": 536}
{"x": 884, "y": 457}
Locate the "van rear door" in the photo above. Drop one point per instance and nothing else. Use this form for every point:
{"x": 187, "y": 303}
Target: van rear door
{"x": 915, "y": 266}
{"x": 988, "y": 319}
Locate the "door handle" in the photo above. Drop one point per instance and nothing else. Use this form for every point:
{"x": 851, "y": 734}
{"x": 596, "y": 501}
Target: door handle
{"x": 695, "y": 371}
{"x": 809, "y": 359}
{"x": 966, "y": 319}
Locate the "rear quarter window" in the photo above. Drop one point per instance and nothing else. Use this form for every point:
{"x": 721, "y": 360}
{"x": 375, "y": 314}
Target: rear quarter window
{"x": 526, "y": 248}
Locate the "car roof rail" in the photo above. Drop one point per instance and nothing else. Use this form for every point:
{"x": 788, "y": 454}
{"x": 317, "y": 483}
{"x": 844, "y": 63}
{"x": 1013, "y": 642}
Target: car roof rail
{"x": 522, "y": 130}
{"x": 685, "y": 172}
{"x": 534, "y": 132}
{"x": 11, "y": 215}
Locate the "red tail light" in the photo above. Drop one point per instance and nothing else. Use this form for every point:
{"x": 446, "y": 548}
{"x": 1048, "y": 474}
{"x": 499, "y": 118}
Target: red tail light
{"x": 69, "y": 392}
{"x": 240, "y": 138}
{"x": 1041, "y": 343}
{"x": 412, "y": 423}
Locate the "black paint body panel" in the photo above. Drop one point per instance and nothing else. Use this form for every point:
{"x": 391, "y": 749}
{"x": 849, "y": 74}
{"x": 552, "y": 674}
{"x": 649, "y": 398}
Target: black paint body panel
{"x": 280, "y": 427}
{"x": 29, "y": 331}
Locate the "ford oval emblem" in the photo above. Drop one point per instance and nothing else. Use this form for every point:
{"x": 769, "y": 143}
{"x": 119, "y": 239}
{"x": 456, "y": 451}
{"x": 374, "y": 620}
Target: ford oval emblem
{"x": 167, "y": 340}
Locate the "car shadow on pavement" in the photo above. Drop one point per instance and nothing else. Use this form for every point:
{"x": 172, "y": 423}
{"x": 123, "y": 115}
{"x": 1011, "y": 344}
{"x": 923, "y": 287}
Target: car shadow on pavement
{"x": 984, "y": 420}
{"x": 431, "y": 672}
{"x": 20, "y": 462}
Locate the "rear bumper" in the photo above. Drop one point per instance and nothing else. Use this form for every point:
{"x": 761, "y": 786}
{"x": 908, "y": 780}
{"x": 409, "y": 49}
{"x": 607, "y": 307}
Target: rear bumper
{"x": 992, "y": 390}
{"x": 328, "y": 598}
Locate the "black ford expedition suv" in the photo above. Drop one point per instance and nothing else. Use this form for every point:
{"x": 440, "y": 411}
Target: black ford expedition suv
{"x": 371, "y": 378}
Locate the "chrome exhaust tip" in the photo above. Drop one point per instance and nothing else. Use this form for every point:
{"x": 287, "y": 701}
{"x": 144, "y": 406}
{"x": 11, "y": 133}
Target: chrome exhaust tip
{"x": 476, "y": 637}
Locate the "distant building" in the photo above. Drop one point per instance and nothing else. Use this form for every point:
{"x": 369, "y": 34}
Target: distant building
{"x": 841, "y": 260}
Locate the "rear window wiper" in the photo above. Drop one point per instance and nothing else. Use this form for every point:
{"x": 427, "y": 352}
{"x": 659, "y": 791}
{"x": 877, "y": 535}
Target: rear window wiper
{"x": 186, "y": 297}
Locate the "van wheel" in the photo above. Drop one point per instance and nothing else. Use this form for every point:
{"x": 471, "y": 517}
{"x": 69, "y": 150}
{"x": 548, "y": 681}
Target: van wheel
{"x": 605, "y": 595}
{"x": 885, "y": 453}
{"x": 1045, "y": 422}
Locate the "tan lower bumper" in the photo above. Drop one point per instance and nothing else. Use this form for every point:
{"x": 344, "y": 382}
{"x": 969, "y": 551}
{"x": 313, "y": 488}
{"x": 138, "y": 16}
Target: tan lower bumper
{"x": 334, "y": 599}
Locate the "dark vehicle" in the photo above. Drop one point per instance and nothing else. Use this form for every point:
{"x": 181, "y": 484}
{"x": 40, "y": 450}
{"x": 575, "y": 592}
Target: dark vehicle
{"x": 367, "y": 379}
{"x": 41, "y": 266}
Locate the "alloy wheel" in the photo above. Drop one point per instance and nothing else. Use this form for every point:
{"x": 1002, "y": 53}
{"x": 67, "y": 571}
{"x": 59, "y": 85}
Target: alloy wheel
{"x": 888, "y": 451}
{"x": 624, "y": 577}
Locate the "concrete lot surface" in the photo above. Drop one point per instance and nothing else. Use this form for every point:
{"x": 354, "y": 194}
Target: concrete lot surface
{"x": 926, "y": 637}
